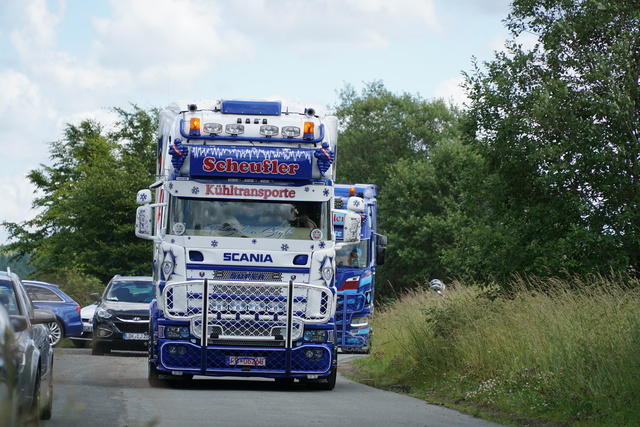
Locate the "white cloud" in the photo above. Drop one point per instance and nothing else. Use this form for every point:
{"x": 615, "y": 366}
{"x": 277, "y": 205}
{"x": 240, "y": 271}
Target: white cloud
{"x": 313, "y": 27}
{"x": 451, "y": 91}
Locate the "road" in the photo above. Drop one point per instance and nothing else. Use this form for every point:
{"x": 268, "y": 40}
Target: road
{"x": 112, "y": 390}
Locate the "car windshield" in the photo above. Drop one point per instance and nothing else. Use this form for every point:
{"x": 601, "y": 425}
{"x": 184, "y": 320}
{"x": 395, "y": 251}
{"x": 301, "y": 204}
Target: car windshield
{"x": 8, "y": 297}
{"x": 353, "y": 254}
{"x": 249, "y": 218}
{"x": 131, "y": 291}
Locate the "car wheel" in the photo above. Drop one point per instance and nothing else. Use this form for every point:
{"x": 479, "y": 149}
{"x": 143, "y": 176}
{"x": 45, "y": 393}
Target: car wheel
{"x": 57, "y": 332}
{"x": 79, "y": 343}
{"x": 46, "y": 408}
{"x": 99, "y": 349}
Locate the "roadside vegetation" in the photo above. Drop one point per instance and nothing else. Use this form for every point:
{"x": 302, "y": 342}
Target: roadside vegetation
{"x": 549, "y": 352}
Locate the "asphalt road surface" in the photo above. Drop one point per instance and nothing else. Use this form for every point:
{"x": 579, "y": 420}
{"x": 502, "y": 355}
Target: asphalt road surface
{"x": 112, "y": 390}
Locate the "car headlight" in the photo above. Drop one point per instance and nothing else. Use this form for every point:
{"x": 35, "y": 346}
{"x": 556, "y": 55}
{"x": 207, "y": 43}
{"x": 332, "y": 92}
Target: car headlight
{"x": 101, "y": 312}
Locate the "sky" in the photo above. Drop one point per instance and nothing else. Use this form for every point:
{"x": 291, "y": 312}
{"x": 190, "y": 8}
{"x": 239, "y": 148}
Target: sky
{"x": 64, "y": 61}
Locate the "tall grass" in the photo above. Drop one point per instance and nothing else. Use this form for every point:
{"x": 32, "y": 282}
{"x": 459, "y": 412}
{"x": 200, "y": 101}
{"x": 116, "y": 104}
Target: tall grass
{"x": 566, "y": 352}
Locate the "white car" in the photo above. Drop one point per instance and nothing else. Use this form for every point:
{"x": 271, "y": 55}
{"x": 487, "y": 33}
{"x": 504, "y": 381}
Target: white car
{"x": 86, "y": 313}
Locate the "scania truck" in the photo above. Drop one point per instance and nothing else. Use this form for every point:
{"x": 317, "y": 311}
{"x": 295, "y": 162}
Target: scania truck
{"x": 244, "y": 247}
{"x": 356, "y": 265}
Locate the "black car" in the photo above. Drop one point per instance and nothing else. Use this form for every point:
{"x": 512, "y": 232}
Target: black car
{"x": 121, "y": 319}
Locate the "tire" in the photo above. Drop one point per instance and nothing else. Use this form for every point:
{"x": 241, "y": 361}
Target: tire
{"x": 99, "y": 349}
{"x": 57, "y": 332}
{"x": 79, "y": 343}
{"x": 153, "y": 376}
{"x": 326, "y": 383}
{"x": 46, "y": 408}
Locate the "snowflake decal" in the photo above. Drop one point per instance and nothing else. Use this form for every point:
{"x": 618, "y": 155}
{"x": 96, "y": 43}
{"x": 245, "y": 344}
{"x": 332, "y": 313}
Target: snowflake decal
{"x": 143, "y": 197}
{"x": 306, "y": 189}
{"x": 284, "y": 247}
{"x": 214, "y": 243}
{"x": 326, "y": 192}
{"x": 195, "y": 190}
{"x": 313, "y": 247}
{"x": 171, "y": 186}
{"x": 356, "y": 203}
{"x": 322, "y": 245}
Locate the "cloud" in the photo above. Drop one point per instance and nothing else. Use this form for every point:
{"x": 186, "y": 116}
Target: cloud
{"x": 313, "y": 27}
{"x": 451, "y": 91}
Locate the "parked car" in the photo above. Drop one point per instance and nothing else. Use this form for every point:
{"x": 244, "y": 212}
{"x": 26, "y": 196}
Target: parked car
{"x": 86, "y": 314}
{"x": 8, "y": 361}
{"x": 121, "y": 319}
{"x": 48, "y": 296}
{"x": 32, "y": 349}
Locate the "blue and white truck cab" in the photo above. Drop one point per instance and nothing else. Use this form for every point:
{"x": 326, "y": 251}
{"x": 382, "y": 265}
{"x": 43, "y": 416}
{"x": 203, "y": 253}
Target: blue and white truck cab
{"x": 244, "y": 247}
{"x": 356, "y": 265}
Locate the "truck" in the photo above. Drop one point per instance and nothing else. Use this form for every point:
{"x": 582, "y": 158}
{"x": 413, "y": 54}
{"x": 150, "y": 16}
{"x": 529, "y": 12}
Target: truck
{"x": 244, "y": 247}
{"x": 356, "y": 266}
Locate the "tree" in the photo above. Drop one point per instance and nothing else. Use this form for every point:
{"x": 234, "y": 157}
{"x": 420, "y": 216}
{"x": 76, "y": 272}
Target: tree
{"x": 87, "y": 207}
{"x": 558, "y": 126}
{"x": 399, "y": 143}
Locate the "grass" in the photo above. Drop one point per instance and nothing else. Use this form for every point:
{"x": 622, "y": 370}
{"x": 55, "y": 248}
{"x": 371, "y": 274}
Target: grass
{"x": 551, "y": 352}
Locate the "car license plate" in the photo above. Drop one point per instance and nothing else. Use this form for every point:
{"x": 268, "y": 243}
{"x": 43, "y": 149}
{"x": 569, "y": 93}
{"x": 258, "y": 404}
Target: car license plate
{"x": 139, "y": 337}
{"x": 246, "y": 361}
{"x": 87, "y": 328}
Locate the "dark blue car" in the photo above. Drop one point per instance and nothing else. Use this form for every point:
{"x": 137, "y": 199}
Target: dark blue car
{"x": 47, "y": 296}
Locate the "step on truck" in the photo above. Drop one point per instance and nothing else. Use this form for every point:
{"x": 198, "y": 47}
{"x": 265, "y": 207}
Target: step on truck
{"x": 244, "y": 247}
{"x": 356, "y": 265}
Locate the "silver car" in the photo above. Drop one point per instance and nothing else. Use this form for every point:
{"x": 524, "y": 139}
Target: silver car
{"x": 31, "y": 350}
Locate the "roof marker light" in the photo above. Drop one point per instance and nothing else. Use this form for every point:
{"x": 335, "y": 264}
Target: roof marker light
{"x": 194, "y": 126}
{"x": 309, "y": 130}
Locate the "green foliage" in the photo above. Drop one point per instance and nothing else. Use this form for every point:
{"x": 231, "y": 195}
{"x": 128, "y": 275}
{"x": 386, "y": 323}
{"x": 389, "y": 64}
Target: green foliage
{"x": 18, "y": 265}
{"x": 553, "y": 350}
{"x": 409, "y": 148}
{"x": 87, "y": 200}
{"x": 558, "y": 126}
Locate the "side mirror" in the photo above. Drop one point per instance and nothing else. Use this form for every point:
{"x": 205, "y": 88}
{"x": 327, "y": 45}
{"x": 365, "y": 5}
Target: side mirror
{"x": 43, "y": 317}
{"x": 381, "y": 254}
{"x": 352, "y": 227}
{"x": 19, "y": 323}
{"x": 143, "y": 197}
{"x": 95, "y": 296}
{"x": 144, "y": 222}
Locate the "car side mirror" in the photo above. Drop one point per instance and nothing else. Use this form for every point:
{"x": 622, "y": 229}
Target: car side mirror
{"x": 43, "y": 317}
{"x": 19, "y": 323}
{"x": 95, "y": 296}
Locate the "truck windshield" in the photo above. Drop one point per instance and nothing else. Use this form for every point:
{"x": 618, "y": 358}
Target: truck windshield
{"x": 353, "y": 254}
{"x": 249, "y": 219}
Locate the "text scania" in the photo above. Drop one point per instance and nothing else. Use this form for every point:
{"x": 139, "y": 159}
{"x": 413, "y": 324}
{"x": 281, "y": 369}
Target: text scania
{"x": 234, "y": 190}
{"x": 229, "y": 256}
{"x": 273, "y": 167}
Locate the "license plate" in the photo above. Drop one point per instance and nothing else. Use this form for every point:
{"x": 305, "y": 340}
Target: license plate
{"x": 246, "y": 361}
{"x": 87, "y": 329}
{"x": 139, "y": 337}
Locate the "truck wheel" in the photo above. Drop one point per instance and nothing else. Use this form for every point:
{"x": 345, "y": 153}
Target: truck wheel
{"x": 154, "y": 377}
{"x": 326, "y": 383}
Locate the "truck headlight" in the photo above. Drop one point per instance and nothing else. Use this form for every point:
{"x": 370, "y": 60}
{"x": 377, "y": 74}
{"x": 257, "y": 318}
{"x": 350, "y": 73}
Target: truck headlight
{"x": 315, "y": 335}
{"x": 176, "y": 332}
